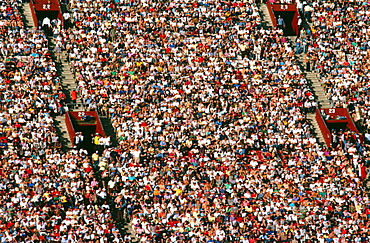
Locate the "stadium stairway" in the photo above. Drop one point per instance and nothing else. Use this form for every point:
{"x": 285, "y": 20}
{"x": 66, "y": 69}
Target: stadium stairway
{"x": 312, "y": 78}
{"x": 266, "y": 18}
{"x": 316, "y": 129}
{"x": 59, "y": 120}
{"x": 318, "y": 91}
{"x": 60, "y": 124}
{"x": 27, "y": 16}
{"x": 64, "y": 69}
{"x": 68, "y": 84}
{"x": 65, "y": 73}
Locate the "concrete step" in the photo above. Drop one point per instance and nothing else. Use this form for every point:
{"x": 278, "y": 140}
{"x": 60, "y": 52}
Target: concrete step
{"x": 62, "y": 131}
{"x": 323, "y": 100}
{"x": 316, "y": 84}
{"x": 68, "y": 77}
{"x": 265, "y": 15}
{"x": 27, "y": 14}
{"x": 319, "y": 92}
{"x": 70, "y": 85}
{"x": 316, "y": 128}
{"x": 128, "y": 229}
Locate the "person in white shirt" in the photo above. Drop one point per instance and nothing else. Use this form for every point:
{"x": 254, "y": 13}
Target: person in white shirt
{"x": 67, "y": 20}
{"x": 46, "y": 25}
{"x": 106, "y": 142}
{"x": 136, "y": 154}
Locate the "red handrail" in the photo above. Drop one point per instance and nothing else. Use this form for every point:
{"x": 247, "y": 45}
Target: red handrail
{"x": 70, "y": 129}
{"x": 324, "y": 128}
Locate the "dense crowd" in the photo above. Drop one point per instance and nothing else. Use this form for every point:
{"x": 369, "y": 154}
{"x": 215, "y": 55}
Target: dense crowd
{"x": 210, "y": 112}
{"x": 339, "y": 51}
{"x": 209, "y": 108}
{"x": 46, "y": 195}
{"x": 337, "y": 47}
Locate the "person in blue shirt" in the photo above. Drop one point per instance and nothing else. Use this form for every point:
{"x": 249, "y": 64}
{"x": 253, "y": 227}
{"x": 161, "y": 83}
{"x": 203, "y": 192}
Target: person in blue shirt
{"x": 280, "y": 22}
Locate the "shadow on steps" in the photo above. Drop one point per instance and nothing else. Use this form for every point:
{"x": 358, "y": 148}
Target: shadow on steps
{"x": 109, "y": 130}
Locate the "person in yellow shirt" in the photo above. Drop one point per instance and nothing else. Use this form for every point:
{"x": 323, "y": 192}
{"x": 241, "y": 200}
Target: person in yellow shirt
{"x": 96, "y": 139}
{"x": 211, "y": 218}
{"x": 95, "y": 158}
{"x": 64, "y": 200}
{"x": 47, "y": 196}
{"x": 96, "y": 142}
{"x": 178, "y": 191}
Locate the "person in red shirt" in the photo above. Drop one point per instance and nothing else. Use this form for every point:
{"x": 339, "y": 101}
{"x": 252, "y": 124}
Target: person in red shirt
{"x": 74, "y": 97}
